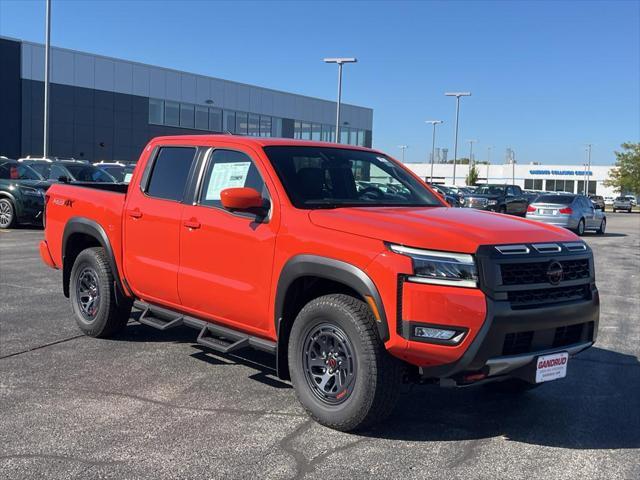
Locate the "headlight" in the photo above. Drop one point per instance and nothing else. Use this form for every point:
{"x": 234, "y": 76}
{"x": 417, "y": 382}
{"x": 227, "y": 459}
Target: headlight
{"x": 440, "y": 268}
{"x": 31, "y": 192}
{"x": 492, "y": 202}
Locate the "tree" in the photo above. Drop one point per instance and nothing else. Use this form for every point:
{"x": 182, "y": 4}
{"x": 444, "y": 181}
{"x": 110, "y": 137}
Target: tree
{"x": 472, "y": 177}
{"x": 625, "y": 177}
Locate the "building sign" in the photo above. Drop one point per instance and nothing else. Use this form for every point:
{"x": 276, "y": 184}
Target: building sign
{"x": 561, "y": 172}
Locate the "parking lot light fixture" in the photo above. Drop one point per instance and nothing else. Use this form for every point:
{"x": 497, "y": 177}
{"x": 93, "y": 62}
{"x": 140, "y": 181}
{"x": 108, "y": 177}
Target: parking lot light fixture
{"x": 403, "y": 148}
{"x": 433, "y": 143}
{"x": 340, "y": 61}
{"x": 455, "y": 145}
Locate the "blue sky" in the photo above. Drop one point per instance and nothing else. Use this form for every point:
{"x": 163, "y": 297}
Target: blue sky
{"x": 546, "y": 77}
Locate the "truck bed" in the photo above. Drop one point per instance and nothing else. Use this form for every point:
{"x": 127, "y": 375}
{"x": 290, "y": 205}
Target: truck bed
{"x": 99, "y": 203}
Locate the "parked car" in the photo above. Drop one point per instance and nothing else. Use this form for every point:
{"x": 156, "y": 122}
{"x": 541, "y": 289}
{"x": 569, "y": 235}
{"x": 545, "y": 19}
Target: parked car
{"x": 70, "y": 170}
{"x": 598, "y": 200}
{"x": 608, "y": 201}
{"x": 498, "y": 198}
{"x": 21, "y": 194}
{"x": 272, "y": 246}
{"x": 121, "y": 172}
{"x": 622, "y": 203}
{"x": 575, "y": 212}
{"x": 451, "y": 197}
{"x": 632, "y": 199}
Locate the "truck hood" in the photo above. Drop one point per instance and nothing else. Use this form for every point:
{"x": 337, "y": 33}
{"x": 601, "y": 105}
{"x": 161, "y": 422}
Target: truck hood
{"x": 482, "y": 195}
{"x": 438, "y": 228}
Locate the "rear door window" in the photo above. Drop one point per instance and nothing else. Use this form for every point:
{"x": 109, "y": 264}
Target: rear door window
{"x": 170, "y": 172}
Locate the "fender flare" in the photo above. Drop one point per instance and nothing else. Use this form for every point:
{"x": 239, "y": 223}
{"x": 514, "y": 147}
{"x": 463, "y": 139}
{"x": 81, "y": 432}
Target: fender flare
{"x": 95, "y": 230}
{"x": 330, "y": 269}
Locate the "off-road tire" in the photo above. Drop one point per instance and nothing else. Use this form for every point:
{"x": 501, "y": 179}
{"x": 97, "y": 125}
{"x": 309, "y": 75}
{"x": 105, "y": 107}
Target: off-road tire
{"x": 377, "y": 374}
{"x": 110, "y": 316}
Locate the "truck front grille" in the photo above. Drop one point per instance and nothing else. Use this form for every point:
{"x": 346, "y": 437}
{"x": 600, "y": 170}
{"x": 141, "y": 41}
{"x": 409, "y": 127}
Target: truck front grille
{"x": 536, "y": 272}
{"x": 548, "y": 296}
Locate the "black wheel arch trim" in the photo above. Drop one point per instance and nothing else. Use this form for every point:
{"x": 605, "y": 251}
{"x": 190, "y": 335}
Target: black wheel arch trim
{"x": 330, "y": 269}
{"x": 94, "y": 229}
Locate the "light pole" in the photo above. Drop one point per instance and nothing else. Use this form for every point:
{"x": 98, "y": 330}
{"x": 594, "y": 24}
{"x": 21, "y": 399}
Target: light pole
{"x": 47, "y": 68}
{"x": 455, "y": 146}
{"x": 489, "y": 147}
{"x": 340, "y": 61}
{"x": 433, "y": 143}
{"x": 471, "y": 142}
{"x": 513, "y": 167}
{"x": 403, "y": 148}
{"x": 587, "y": 171}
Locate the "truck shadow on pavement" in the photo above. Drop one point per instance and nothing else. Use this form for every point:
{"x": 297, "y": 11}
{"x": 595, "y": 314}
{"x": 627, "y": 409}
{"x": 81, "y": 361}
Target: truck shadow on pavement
{"x": 596, "y": 407}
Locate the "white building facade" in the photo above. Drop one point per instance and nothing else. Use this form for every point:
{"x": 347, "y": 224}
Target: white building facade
{"x": 558, "y": 178}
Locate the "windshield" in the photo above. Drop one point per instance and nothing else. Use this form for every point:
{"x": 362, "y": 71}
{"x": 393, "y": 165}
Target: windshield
{"x": 490, "y": 190}
{"x": 89, "y": 173}
{"x": 621, "y": 199}
{"x": 18, "y": 171}
{"x": 326, "y": 177}
{"x": 559, "y": 199}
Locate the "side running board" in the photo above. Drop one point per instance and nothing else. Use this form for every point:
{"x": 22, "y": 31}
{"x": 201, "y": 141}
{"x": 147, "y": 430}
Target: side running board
{"x": 213, "y": 336}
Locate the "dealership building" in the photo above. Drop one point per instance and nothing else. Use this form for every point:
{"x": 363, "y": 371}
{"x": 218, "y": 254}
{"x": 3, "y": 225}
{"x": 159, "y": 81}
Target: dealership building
{"x": 556, "y": 178}
{"x": 104, "y": 108}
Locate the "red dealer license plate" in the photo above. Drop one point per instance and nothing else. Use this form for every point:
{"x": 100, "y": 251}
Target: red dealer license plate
{"x": 551, "y": 367}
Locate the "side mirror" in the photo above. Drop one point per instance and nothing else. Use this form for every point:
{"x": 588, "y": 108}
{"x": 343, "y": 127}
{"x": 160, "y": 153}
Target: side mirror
{"x": 243, "y": 200}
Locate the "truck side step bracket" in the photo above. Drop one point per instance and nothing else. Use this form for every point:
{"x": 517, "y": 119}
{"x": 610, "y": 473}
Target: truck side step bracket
{"x": 147, "y": 318}
{"x": 212, "y": 335}
{"x": 221, "y": 344}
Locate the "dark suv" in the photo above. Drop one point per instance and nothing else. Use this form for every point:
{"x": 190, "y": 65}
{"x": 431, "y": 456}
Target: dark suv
{"x": 21, "y": 194}
{"x": 498, "y": 198}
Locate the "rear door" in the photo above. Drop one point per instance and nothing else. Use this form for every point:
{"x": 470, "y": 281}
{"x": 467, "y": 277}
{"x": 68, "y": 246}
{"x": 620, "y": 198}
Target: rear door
{"x": 226, "y": 258}
{"x": 152, "y": 224}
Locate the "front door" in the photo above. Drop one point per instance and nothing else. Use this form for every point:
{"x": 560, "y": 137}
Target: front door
{"x": 152, "y": 225}
{"x": 226, "y": 258}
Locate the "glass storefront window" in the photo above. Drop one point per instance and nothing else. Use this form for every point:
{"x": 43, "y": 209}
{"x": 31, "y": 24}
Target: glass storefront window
{"x": 215, "y": 119}
{"x": 242, "y": 123}
{"x": 156, "y": 111}
{"x": 202, "y": 118}
{"x": 306, "y": 131}
{"x": 186, "y": 115}
{"x": 172, "y": 113}
{"x": 276, "y": 127}
{"x": 254, "y": 125}
{"x": 265, "y": 126}
{"x": 229, "y": 121}
{"x": 344, "y": 135}
{"x": 316, "y": 132}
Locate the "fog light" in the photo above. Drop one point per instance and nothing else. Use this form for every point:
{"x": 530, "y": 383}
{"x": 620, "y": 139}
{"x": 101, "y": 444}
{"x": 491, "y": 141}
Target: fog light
{"x": 438, "y": 334}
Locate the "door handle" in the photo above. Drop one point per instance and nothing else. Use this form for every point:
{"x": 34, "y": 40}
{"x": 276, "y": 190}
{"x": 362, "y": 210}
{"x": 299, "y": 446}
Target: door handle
{"x": 135, "y": 213}
{"x": 192, "y": 224}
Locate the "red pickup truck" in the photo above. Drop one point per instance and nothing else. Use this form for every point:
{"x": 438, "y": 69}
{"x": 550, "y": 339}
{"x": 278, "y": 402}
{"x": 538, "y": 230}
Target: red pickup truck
{"x": 336, "y": 259}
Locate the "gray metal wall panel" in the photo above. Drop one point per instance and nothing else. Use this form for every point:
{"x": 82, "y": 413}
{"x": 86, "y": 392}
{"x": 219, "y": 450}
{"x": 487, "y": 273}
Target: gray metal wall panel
{"x": 84, "y": 71}
{"x": 188, "y": 88}
{"x": 123, "y": 79}
{"x": 104, "y": 74}
{"x": 140, "y": 81}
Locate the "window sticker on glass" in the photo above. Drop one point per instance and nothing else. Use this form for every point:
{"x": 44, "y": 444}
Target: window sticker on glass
{"x": 127, "y": 177}
{"x": 226, "y": 175}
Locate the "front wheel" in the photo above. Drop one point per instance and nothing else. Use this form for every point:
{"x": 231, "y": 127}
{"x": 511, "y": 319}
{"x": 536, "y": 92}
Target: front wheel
{"x": 7, "y": 213}
{"x": 93, "y": 297}
{"x": 341, "y": 372}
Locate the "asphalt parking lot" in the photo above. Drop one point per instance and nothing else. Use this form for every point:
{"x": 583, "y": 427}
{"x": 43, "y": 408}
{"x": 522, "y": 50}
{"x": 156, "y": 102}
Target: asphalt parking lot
{"x": 151, "y": 404}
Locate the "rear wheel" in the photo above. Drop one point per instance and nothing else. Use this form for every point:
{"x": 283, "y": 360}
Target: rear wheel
{"x": 580, "y": 228}
{"x": 93, "y": 297}
{"x": 7, "y": 213}
{"x": 603, "y": 227}
{"x": 341, "y": 372}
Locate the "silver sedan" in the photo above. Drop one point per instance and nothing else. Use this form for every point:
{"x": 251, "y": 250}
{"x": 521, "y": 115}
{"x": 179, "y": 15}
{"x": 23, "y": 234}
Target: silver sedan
{"x": 575, "y": 212}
